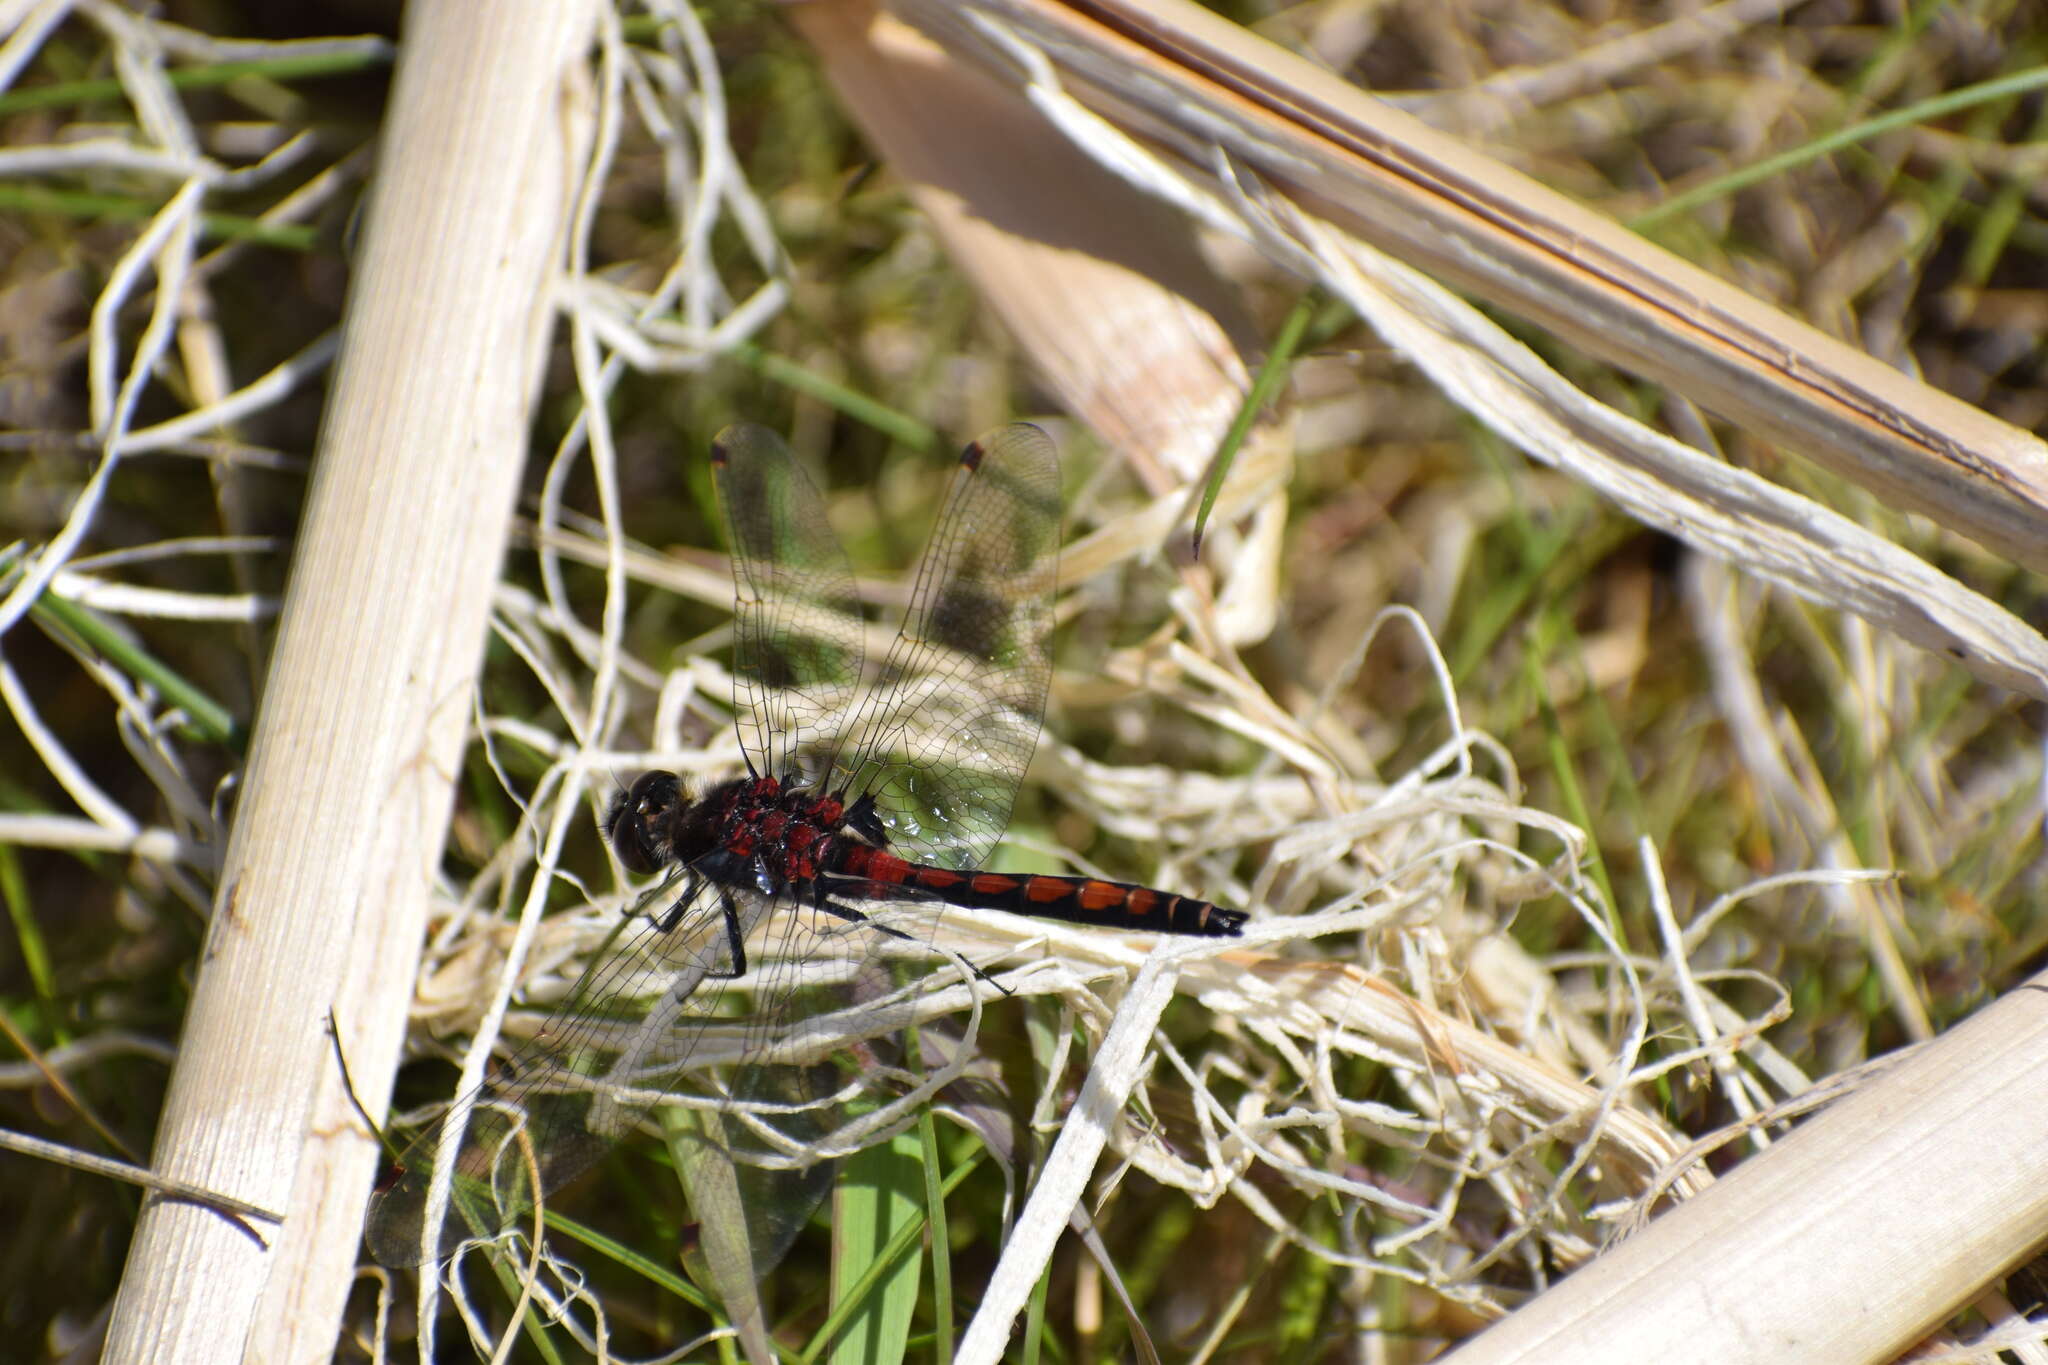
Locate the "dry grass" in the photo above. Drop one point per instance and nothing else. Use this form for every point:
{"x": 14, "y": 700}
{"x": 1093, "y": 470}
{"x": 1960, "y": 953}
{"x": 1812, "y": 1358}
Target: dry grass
{"x": 1555, "y": 830}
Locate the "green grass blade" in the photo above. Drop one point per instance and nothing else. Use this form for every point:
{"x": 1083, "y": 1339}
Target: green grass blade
{"x": 127, "y": 207}
{"x": 1925, "y": 111}
{"x": 897, "y": 426}
{"x": 1264, "y": 386}
{"x": 207, "y": 718}
{"x": 372, "y": 53}
{"x": 902, "y": 1239}
{"x": 942, "y": 1243}
{"x": 876, "y": 1211}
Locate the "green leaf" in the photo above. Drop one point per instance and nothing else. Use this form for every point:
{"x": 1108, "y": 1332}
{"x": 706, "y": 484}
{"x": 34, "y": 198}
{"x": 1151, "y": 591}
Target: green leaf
{"x": 879, "y": 1200}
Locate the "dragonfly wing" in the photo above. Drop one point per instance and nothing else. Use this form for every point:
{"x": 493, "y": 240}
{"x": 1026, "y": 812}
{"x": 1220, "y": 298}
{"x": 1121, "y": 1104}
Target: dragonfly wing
{"x": 626, "y": 1036}
{"x": 657, "y": 1021}
{"x": 750, "y": 1215}
{"x": 797, "y": 626}
{"x": 943, "y": 744}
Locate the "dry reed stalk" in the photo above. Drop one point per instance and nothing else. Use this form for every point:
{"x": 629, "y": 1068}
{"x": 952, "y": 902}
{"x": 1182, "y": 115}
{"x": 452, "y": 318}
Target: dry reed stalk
{"x": 1189, "y": 83}
{"x": 1848, "y": 1240}
{"x": 324, "y": 893}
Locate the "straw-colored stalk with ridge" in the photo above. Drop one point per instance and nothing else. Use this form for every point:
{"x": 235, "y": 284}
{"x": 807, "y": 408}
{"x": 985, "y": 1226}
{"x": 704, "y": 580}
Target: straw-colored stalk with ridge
{"x": 340, "y": 819}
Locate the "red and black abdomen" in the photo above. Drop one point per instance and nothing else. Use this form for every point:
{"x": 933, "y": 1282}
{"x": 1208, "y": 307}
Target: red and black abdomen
{"x": 1080, "y": 900}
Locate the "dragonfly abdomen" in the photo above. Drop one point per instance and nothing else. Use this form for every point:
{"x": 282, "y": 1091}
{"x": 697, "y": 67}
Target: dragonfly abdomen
{"x": 1080, "y": 900}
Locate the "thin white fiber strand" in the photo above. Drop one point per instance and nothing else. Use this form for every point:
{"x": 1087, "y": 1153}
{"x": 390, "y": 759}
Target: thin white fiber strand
{"x": 1057, "y": 1192}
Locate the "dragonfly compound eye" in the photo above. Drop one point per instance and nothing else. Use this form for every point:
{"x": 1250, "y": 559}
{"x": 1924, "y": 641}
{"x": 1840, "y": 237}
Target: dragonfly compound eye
{"x": 641, "y": 823}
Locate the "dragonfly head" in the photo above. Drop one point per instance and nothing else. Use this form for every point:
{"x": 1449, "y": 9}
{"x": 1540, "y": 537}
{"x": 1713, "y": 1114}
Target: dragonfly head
{"x": 641, "y": 824}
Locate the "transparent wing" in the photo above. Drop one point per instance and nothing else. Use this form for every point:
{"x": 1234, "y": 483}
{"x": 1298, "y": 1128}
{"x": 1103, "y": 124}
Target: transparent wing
{"x": 657, "y": 1018}
{"x": 944, "y": 736}
{"x": 797, "y": 622}
{"x": 943, "y": 741}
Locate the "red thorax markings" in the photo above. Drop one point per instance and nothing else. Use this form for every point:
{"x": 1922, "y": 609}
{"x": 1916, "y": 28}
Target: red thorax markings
{"x": 784, "y": 826}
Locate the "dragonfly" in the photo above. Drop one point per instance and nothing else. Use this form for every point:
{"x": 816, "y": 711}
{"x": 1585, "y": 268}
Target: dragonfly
{"x": 864, "y": 788}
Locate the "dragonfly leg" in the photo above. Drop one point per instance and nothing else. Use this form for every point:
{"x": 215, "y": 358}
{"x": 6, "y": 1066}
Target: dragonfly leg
{"x": 852, "y": 916}
{"x": 673, "y": 916}
{"x": 837, "y": 911}
{"x": 735, "y": 937}
{"x": 862, "y": 818}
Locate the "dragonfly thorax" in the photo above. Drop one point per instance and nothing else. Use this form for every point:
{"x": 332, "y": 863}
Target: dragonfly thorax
{"x": 755, "y": 823}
